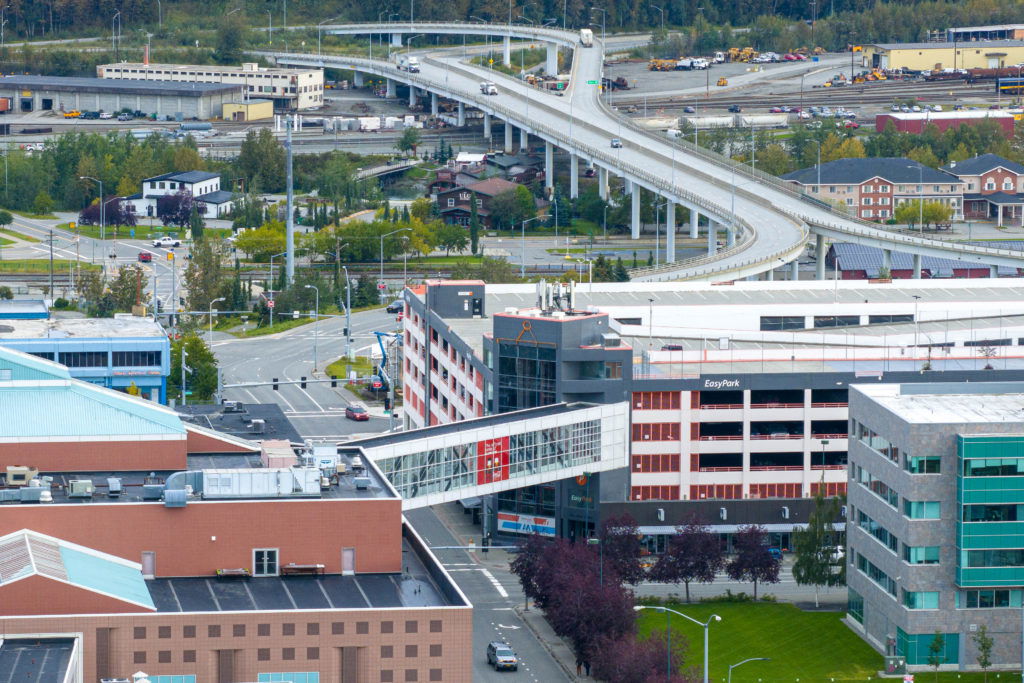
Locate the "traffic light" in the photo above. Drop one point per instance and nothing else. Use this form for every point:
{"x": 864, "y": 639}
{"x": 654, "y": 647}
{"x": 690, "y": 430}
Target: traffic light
{"x": 387, "y": 403}
{"x": 334, "y": 382}
{"x": 344, "y": 332}
{"x": 275, "y": 384}
{"x": 302, "y": 382}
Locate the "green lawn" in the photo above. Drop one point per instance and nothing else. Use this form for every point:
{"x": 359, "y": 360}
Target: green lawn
{"x": 802, "y": 646}
{"x": 40, "y": 265}
{"x": 4, "y": 241}
{"x": 362, "y": 365}
{"x": 141, "y": 232}
{"x": 21, "y": 236}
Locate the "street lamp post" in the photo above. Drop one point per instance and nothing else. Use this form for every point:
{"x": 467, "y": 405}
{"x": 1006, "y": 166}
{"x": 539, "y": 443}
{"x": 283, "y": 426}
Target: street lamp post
{"x": 522, "y": 266}
{"x": 600, "y": 548}
{"x": 316, "y": 324}
{"x": 382, "y": 257}
{"x": 348, "y": 313}
{"x": 752, "y": 659}
{"x": 211, "y": 318}
{"x": 662, "y": 17}
{"x": 103, "y": 232}
{"x": 318, "y": 32}
{"x": 668, "y": 632}
{"x": 271, "y": 284}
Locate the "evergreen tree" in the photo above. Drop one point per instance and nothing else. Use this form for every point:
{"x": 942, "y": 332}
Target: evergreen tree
{"x": 621, "y": 274}
{"x": 816, "y": 545}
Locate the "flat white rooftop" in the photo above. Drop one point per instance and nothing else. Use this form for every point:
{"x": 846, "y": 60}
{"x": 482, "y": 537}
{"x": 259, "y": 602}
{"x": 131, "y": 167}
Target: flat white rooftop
{"x": 81, "y": 328}
{"x": 980, "y": 403}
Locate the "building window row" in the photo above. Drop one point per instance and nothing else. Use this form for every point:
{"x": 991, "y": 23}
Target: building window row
{"x": 289, "y": 677}
{"x": 84, "y": 359}
{"x": 656, "y": 400}
{"x": 656, "y": 431}
{"x": 993, "y": 513}
{"x": 866, "y": 567}
{"x": 876, "y": 442}
{"x": 388, "y": 675}
{"x": 922, "y": 464}
{"x": 993, "y": 467}
{"x": 719, "y": 491}
{"x": 656, "y": 462}
{"x": 914, "y": 509}
{"x": 1004, "y": 557}
{"x": 776, "y": 490}
{"x": 921, "y": 555}
{"x": 877, "y": 486}
{"x": 990, "y": 599}
{"x": 654, "y": 493}
{"x": 879, "y": 532}
{"x": 921, "y": 599}
{"x": 137, "y": 358}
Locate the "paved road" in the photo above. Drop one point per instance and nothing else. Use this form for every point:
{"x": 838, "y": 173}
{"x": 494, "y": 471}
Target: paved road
{"x": 493, "y": 594}
{"x": 318, "y": 410}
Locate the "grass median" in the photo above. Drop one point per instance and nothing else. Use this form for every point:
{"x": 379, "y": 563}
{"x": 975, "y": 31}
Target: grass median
{"x": 18, "y": 235}
{"x": 41, "y": 266}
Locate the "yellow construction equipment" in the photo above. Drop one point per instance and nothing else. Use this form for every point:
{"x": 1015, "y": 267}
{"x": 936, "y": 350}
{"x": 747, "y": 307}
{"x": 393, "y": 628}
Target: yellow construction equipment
{"x": 736, "y": 54}
{"x": 723, "y": 81}
{"x": 661, "y": 65}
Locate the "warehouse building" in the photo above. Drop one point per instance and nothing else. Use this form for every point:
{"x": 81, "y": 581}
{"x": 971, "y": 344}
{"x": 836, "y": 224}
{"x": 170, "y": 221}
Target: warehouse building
{"x": 934, "y": 506}
{"x": 62, "y": 94}
{"x": 289, "y": 89}
{"x": 962, "y": 34}
{"x": 938, "y": 56}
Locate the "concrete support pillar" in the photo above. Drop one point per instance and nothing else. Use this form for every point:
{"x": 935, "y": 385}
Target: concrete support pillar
{"x": 887, "y": 260}
{"x": 670, "y": 232}
{"x": 627, "y": 185}
{"x": 796, "y": 270}
{"x": 524, "y": 140}
{"x": 602, "y": 182}
{"x": 390, "y": 92}
{"x": 730, "y": 236}
{"x": 770, "y": 275}
{"x": 551, "y": 65}
{"x": 694, "y": 223}
{"x": 487, "y": 128}
{"x": 412, "y": 95}
{"x": 819, "y": 257}
{"x": 574, "y": 176}
{"x": 434, "y": 109}
{"x": 635, "y": 212}
{"x": 508, "y": 137}
{"x": 462, "y": 115}
{"x": 993, "y": 271}
{"x": 917, "y": 266}
{"x": 549, "y": 165}
{"x": 506, "y": 55}
{"x": 712, "y": 237}
{"x": 357, "y": 79}
{"x": 396, "y": 40}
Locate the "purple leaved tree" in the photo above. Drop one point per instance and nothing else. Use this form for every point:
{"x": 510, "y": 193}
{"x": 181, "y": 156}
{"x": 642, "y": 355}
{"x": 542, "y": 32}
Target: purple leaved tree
{"x": 631, "y": 660}
{"x": 586, "y": 612}
{"x": 753, "y": 561}
{"x": 527, "y": 565}
{"x": 694, "y": 553}
{"x": 620, "y": 548}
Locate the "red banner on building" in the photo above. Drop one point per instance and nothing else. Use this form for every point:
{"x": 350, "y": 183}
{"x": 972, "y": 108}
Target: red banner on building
{"x": 492, "y": 460}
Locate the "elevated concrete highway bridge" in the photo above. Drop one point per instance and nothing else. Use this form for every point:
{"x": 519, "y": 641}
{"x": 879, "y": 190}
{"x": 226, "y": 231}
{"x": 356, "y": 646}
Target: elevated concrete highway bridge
{"x": 766, "y": 223}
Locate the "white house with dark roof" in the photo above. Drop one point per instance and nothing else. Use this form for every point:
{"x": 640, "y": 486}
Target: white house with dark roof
{"x": 872, "y": 188}
{"x": 202, "y": 185}
{"x": 993, "y": 188}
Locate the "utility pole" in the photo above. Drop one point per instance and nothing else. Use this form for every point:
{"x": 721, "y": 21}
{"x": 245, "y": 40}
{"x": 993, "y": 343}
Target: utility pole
{"x": 289, "y": 264}
{"x": 348, "y": 314}
{"x": 184, "y": 369}
{"x": 51, "y": 264}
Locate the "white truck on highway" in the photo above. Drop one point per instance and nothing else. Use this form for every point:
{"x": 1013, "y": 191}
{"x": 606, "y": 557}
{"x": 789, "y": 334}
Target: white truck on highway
{"x": 488, "y": 88}
{"x": 410, "y": 63}
{"x": 586, "y": 37}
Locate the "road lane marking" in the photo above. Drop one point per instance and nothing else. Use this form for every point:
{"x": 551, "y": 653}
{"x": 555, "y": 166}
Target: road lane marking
{"x": 490, "y": 577}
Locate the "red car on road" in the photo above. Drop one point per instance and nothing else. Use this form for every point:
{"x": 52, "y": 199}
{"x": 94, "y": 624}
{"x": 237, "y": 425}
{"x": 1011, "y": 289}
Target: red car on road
{"x": 357, "y": 413}
{"x": 145, "y": 257}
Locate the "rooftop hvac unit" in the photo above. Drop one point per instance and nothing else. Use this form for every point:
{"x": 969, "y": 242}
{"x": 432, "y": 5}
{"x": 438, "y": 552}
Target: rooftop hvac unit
{"x": 152, "y": 491}
{"x": 258, "y": 426}
{"x": 10, "y": 495}
{"x": 362, "y": 483}
{"x": 20, "y": 475}
{"x": 357, "y": 463}
{"x": 32, "y": 494}
{"x": 233, "y": 407}
{"x": 175, "y": 498}
{"x": 80, "y": 488}
{"x": 113, "y": 487}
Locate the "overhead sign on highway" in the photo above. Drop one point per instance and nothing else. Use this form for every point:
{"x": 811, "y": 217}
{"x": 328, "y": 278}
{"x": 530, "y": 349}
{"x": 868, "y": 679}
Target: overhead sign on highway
{"x": 593, "y": 82}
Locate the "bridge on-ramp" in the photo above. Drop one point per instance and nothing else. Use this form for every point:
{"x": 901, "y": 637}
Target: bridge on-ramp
{"x": 764, "y": 221}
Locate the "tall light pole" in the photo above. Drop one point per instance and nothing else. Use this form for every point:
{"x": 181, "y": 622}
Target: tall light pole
{"x": 662, "y": 17}
{"x": 211, "y": 318}
{"x": 103, "y": 231}
{"x": 270, "y": 28}
{"x": 348, "y": 313}
{"x": 316, "y": 324}
{"x": 113, "y": 34}
{"x": 271, "y": 284}
{"x": 752, "y": 659}
{"x": 522, "y": 266}
{"x": 668, "y": 636}
{"x": 387, "y": 234}
{"x": 604, "y": 17}
{"x": 159, "y": 15}
{"x": 318, "y": 32}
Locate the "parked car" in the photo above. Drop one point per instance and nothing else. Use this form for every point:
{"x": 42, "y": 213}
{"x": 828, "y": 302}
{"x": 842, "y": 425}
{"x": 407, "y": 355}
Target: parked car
{"x": 853, "y": 125}
{"x": 501, "y": 656}
{"x": 616, "y": 143}
{"x": 356, "y": 412}
{"x": 936, "y": 107}
{"x": 396, "y": 306}
{"x": 775, "y": 110}
{"x": 735, "y": 108}
{"x": 916, "y": 109}
{"x": 166, "y": 241}
{"x": 124, "y": 117}
{"x": 145, "y": 257}
{"x": 106, "y": 115}
{"x": 689, "y": 110}
{"x": 775, "y": 553}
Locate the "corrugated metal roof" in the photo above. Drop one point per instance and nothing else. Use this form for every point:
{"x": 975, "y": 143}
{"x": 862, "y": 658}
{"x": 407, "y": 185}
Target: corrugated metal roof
{"x": 25, "y": 366}
{"x": 71, "y": 408}
{"x": 25, "y": 553}
{"x": 115, "y": 86}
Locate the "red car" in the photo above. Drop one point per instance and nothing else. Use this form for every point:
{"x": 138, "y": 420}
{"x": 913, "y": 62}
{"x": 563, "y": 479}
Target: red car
{"x": 145, "y": 257}
{"x": 357, "y": 413}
